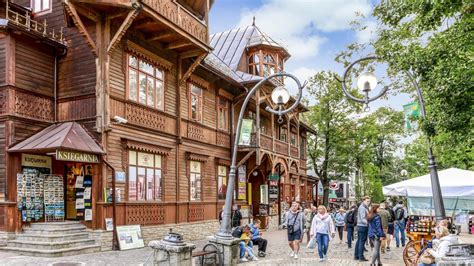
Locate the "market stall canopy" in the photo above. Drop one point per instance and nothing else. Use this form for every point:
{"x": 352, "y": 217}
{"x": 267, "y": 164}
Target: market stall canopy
{"x": 69, "y": 136}
{"x": 454, "y": 183}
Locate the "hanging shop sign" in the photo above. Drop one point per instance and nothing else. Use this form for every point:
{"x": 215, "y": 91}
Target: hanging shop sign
{"x": 273, "y": 177}
{"x": 333, "y": 186}
{"x": 412, "y": 113}
{"x": 242, "y": 184}
{"x": 246, "y": 132}
{"x": 130, "y": 237}
{"x": 76, "y": 157}
{"x": 32, "y": 160}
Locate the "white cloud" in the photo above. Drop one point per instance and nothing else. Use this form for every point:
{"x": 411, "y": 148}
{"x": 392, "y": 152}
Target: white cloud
{"x": 296, "y": 23}
{"x": 368, "y": 33}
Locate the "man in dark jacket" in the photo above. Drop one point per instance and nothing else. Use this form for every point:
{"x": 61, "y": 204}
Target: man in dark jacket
{"x": 350, "y": 221}
{"x": 236, "y": 216}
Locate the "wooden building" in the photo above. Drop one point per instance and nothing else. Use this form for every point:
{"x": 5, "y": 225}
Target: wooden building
{"x": 139, "y": 85}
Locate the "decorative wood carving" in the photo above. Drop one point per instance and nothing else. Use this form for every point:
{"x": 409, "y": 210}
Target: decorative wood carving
{"x": 191, "y": 69}
{"x": 223, "y": 139}
{"x": 294, "y": 152}
{"x": 31, "y": 106}
{"x": 172, "y": 11}
{"x": 200, "y": 82}
{"x": 142, "y": 52}
{"x": 145, "y": 117}
{"x": 197, "y": 157}
{"x": 281, "y": 147}
{"x": 71, "y": 11}
{"x": 196, "y": 213}
{"x": 266, "y": 142}
{"x": 195, "y": 132}
{"x": 123, "y": 28}
{"x": 145, "y": 214}
{"x": 135, "y": 145}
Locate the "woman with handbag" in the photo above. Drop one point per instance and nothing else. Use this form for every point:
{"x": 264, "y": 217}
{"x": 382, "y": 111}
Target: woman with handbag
{"x": 322, "y": 228}
{"x": 294, "y": 222}
{"x": 376, "y": 233}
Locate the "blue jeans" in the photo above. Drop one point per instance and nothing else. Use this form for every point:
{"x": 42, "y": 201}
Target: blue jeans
{"x": 323, "y": 244}
{"x": 400, "y": 227}
{"x": 362, "y": 232}
{"x": 350, "y": 234}
{"x": 243, "y": 248}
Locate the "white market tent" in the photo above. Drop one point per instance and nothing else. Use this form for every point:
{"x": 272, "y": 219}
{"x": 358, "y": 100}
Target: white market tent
{"x": 457, "y": 188}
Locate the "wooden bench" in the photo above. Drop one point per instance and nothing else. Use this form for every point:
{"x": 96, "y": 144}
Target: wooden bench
{"x": 201, "y": 254}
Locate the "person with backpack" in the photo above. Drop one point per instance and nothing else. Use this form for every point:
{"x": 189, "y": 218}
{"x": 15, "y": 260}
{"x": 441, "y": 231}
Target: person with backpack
{"x": 400, "y": 217}
{"x": 294, "y": 223}
{"x": 391, "y": 225}
{"x": 350, "y": 221}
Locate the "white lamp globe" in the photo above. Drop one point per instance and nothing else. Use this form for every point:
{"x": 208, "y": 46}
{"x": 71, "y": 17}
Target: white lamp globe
{"x": 404, "y": 172}
{"x": 366, "y": 81}
{"x": 280, "y": 95}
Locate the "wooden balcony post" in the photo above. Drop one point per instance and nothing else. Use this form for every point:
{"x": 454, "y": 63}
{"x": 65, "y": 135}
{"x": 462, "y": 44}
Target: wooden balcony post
{"x": 288, "y": 135}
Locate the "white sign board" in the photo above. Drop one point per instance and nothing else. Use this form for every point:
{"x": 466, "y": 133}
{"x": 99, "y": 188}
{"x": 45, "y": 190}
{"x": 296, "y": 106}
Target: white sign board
{"x": 130, "y": 237}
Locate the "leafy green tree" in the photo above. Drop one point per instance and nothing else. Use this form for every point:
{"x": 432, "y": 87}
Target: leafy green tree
{"x": 329, "y": 151}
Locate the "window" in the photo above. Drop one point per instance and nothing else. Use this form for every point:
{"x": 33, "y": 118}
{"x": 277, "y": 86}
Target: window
{"x": 293, "y": 139}
{"x": 145, "y": 83}
{"x": 282, "y": 131}
{"x": 195, "y": 103}
{"x": 144, "y": 176}
{"x": 269, "y": 65}
{"x": 221, "y": 182}
{"x": 303, "y": 147}
{"x": 195, "y": 180}
{"x": 41, "y": 6}
{"x": 254, "y": 64}
{"x": 222, "y": 113}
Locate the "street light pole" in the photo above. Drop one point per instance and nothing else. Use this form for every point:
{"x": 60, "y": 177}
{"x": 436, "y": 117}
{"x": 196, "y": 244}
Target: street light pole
{"x": 435, "y": 186}
{"x": 225, "y": 227}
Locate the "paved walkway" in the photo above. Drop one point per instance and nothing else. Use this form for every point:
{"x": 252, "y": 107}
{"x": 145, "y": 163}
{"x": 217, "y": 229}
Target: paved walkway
{"x": 277, "y": 254}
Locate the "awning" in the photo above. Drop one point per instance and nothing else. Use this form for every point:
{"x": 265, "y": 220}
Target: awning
{"x": 69, "y": 136}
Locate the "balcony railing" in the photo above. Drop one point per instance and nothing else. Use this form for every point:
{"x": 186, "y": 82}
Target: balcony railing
{"x": 180, "y": 16}
{"x": 281, "y": 147}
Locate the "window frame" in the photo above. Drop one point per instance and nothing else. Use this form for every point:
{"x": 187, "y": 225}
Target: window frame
{"x": 156, "y": 79}
{"x": 221, "y": 196}
{"x": 156, "y": 168}
{"x": 199, "y": 107}
{"x": 43, "y": 11}
{"x": 190, "y": 162}
{"x": 225, "y": 110}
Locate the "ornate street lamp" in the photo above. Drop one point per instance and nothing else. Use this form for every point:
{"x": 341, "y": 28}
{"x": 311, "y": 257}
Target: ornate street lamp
{"x": 367, "y": 82}
{"x": 280, "y": 96}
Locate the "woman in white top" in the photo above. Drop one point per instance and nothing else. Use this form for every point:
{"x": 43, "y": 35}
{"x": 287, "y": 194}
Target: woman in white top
{"x": 322, "y": 228}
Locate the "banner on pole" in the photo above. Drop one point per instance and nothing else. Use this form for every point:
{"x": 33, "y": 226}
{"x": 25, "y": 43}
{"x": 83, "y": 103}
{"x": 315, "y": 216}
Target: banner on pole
{"x": 246, "y": 132}
{"x": 411, "y": 112}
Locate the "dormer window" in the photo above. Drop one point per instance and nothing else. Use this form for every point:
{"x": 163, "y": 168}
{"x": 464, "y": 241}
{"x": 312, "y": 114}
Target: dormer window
{"x": 254, "y": 64}
{"x": 269, "y": 65}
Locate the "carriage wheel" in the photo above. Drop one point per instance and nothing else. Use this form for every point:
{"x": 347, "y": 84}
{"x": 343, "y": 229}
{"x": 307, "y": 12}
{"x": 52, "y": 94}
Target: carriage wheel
{"x": 410, "y": 253}
{"x": 211, "y": 259}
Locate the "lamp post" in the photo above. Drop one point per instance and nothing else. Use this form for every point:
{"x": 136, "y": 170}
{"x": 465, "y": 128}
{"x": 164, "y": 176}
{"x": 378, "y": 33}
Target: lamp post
{"x": 280, "y": 96}
{"x": 366, "y": 82}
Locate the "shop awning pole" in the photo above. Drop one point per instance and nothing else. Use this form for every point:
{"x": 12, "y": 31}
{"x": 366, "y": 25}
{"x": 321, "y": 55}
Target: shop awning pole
{"x": 114, "y": 213}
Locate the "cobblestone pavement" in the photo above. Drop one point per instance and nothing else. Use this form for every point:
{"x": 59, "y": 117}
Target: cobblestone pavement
{"x": 277, "y": 254}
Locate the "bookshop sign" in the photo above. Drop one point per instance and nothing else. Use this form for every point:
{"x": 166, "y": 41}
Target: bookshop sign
{"x": 33, "y": 160}
{"x": 76, "y": 157}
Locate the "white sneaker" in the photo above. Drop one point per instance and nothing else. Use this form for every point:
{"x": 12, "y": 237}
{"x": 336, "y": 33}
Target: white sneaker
{"x": 254, "y": 258}
{"x": 296, "y": 256}
{"x": 244, "y": 259}
{"x": 321, "y": 260}
{"x": 292, "y": 254}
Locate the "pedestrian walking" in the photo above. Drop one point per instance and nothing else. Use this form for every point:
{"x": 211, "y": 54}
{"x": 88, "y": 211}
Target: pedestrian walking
{"x": 400, "y": 218}
{"x": 350, "y": 221}
{"x": 309, "y": 213}
{"x": 236, "y": 216}
{"x": 376, "y": 233}
{"x": 391, "y": 225}
{"x": 362, "y": 229}
{"x": 384, "y": 216}
{"x": 295, "y": 225}
{"x": 322, "y": 228}
{"x": 257, "y": 238}
{"x": 340, "y": 218}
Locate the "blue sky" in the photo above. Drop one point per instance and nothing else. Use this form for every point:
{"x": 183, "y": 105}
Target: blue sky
{"x": 313, "y": 31}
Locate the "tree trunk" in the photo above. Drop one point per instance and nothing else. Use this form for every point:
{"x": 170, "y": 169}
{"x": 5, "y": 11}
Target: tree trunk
{"x": 325, "y": 182}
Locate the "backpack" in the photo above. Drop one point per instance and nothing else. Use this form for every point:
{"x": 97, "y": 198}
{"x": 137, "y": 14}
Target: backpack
{"x": 237, "y": 233}
{"x": 399, "y": 214}
{"x": 350, "y": 217}
{"x": 391, "y": 217}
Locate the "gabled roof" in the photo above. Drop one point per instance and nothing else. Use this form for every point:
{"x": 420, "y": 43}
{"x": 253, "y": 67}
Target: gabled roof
{"x": 63, "y": 136}
{"x": 229, "y": 46}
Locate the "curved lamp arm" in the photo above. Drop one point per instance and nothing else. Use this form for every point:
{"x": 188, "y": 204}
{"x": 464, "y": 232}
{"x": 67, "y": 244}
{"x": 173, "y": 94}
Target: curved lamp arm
{"x": 367, "y": 99}
{"x": 280, "y": 110}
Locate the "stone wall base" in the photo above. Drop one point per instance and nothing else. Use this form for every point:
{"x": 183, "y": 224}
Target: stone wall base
{"x": 190, "y": 231}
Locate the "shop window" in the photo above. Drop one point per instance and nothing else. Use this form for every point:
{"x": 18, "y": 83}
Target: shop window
{"x": 282, "y": 133}
{"x": 41, "y": 6}
{"x": 195, "y": 180}
{"x": 145, "y": 83}
{"x": 222, "y": 113}
{"x": 195, "y": 103}
{"x": 144, "y": 176}
{"x": 221, "y": 181}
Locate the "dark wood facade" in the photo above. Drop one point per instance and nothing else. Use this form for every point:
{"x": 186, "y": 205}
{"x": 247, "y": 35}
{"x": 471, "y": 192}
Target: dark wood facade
{"x": 84, "y": 71}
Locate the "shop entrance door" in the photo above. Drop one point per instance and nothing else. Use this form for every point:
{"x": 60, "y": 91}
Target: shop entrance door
{"x": 78, "y": 193}
{"x": 256, "y": 181}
